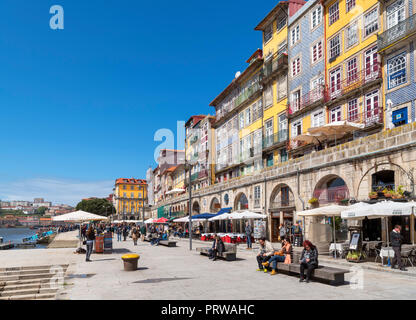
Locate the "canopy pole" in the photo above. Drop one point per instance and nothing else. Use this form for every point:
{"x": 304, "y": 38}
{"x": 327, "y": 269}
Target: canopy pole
{"x": 335, "y": 242}
{"x": 412, "y": 225}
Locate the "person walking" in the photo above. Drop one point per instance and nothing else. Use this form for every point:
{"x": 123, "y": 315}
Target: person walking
{"x": 282, "y": 232}
{"x": 143, "y": 232}
{"x": 396, "y": 243}
{"x": 125, "y": 232}
{"x": 134, "y": 235}
{"x": 308, "y": 260}
{"x": 249, "y": 231}
{"x": 90, "y": 242}
{"x": 118, "y": 231}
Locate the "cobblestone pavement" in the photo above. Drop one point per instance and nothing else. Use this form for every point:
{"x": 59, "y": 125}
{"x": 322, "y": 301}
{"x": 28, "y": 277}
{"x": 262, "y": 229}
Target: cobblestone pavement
{"x": 179, "y": 274}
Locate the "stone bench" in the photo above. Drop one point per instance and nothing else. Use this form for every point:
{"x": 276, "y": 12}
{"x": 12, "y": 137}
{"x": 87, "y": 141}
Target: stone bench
{"x": 329, "y": 275}
{"x": 230, "y": 253}
{"x": 168, "y": 243}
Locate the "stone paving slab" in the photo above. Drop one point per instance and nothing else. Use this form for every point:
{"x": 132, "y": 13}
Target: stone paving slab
{"x": 180, "y": 274}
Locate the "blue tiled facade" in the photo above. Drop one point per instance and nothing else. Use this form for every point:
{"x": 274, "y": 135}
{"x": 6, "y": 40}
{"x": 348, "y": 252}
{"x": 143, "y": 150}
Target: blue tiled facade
{"x": 404, "y": 95}
{"x": 303, "y": 48}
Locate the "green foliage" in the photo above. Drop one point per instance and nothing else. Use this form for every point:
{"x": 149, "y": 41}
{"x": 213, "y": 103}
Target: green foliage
{"x": 101, "y": 207}
{"x": 41, "y": 211}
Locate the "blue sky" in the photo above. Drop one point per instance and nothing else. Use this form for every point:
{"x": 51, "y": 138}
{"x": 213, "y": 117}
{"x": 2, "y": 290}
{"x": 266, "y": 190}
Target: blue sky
{"x": 80, "y": 106}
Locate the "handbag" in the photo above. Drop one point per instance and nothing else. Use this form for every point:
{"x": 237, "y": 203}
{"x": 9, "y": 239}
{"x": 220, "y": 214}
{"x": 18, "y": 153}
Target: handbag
{"x": 84, "y": 242}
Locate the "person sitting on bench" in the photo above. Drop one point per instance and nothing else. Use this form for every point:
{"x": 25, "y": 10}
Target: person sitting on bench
{"x": 308, "y": 260}
{"x": 217, "y": 247}
{"x": 282, "y": 255}
{"x": 265, "y": 253}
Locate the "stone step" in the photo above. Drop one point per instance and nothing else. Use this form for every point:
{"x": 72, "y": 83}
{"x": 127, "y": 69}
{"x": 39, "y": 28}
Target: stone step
{"x": 46, "y": 285}
{"x": 30, "y": 276}
{"x": 37, "y": 271}
{"x": 32, "y": 267}
{"x": 39, "y": 296}
{"x": 23, "y": 282}
{"x": 24, "y": 292}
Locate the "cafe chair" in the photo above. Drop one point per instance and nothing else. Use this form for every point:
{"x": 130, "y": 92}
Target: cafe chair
{"x": 407, "y": 256}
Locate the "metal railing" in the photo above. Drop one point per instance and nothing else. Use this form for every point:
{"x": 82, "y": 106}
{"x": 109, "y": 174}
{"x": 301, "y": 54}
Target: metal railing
{"x": 353, "y": 81}
{"x": 247, "y": 93}
{"x": 282, "y": 203}
{"x": 307, "y": 99}
{"x": 274, "y": 139}
{"x": 279, "y": 60}
{"x": 397, "y": 33}
{"x": 331, "y": 195}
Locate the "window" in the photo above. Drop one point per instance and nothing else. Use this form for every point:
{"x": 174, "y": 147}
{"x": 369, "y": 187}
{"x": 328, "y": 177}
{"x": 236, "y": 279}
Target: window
{"x": 268, "y": 96}
{"x": 352, "y": 71}
{"x": 317, "y": 51}
{"x": 281, "y": 23}
{"x": 372, "y": 112}
{"x": 241, "y": 120}
{"x": 351, "y": 35}
{"x": 282, "y": 127}
{"x": 353, "y": 110}
{"x": 295, "y": 67}
{"x": 268, "y": 33}
{"x": 334, "y": 47}
{"x": 333, "y": 13}
{"x": 316, "y": 16}
{"x": 294, "y": 35}
{"x": 396, "y": 70}
{"x": 270, "y": 160}
{"x": 315, "y": 83}
{"x": 283, "y": 155}
{"x": 371, "y": 22}
{"x": 371, "y": 64}
{"x": 248, "y": 116}
{"x": 257, "y": 196}
{"x": 335, "y": 114}
{"x": 131, "y": 195}
{"x": 296, "y": 128}
{"x": 295, "y": 101}
{"x": 269, "y": 131}
{"x": 395, "y": 13}
{"x": 282, "y": 87}
{"x": 349, "y": 4}
{"x": 124, "y": 195}
{"x": 318, "y": 119}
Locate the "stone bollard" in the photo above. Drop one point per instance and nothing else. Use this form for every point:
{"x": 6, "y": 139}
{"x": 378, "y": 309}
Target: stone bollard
{"x": 130, "y": 261}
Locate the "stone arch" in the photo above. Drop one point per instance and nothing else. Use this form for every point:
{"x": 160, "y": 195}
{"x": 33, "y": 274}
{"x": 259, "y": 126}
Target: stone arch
{"x": 215, "y": 205}
{"x": 241, "y": 201}
{"x": 196, "y": 208}
{"x": 281, "y": 196}
{"x": 331, "y": 189}
{"x": 401, "y": 177}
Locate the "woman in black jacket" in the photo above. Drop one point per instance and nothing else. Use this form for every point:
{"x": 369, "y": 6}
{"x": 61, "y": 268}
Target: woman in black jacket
{"x": 308, "y": 260}
{"x": 90, "y": 242}
{"x": 217, "y": 247}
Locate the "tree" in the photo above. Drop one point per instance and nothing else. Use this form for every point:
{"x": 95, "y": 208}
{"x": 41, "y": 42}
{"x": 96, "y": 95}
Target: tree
{"x": 41, "y": 211}
{"x": 101, "y": 207}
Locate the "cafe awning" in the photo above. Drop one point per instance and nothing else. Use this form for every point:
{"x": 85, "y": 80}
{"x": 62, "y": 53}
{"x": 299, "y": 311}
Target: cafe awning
{"x": 381, "y": 209}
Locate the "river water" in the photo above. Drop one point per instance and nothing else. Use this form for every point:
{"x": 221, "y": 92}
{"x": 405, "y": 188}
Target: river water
{"x": 16, "y": 235}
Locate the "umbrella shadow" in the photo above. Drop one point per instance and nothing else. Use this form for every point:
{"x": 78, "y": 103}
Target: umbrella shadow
{"x": 121, "y": 250}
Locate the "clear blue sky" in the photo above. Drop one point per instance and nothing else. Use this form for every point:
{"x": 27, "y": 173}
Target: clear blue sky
{"x": 80, "y": 106}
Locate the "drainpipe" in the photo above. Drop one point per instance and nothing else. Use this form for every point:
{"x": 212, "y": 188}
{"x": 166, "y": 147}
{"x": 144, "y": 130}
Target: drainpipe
{"x": 301, "y": 200}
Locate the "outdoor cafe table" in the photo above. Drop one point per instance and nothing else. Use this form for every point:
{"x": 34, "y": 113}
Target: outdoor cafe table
{"x": 386, "y": 252}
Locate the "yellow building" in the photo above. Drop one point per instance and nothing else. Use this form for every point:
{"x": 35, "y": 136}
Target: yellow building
{"x": 274, "y": 81}
{"x": 130, "y": 195}
{"x": 353, "y": 68}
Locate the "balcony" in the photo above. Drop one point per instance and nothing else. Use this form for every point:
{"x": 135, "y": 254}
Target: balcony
{"x": 331, "y": 195}
{"x": 275, "y": 139}
{"x": 399, "y": 32}
{"x": 271, "y": 66}
{"x": 282, "y": 203}
{"x": 202, "y": 174}
{"x": 194, "y": 139}
{"x": 356, "y": 81}
{"x": 309, "y": 99}
{"x": 194, "y": 176}
{"x": 247, "y": 94}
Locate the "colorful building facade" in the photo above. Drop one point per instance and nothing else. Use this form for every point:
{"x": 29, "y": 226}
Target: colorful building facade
{"x": 130, "y": 196}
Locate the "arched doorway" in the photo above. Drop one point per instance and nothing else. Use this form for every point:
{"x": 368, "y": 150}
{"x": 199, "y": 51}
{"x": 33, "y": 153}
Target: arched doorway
{"x": 331, "y": 189}
{"x": 281, "y": 209}
{"x": 195, "y": 208}
{"x": 241, "y": 202}
{"x": 215, "y": 205}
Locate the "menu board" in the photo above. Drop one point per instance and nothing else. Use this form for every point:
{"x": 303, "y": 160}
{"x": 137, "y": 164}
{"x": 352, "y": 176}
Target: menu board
{"x": 108, "y": 242}
{"x": 259, "y": 229}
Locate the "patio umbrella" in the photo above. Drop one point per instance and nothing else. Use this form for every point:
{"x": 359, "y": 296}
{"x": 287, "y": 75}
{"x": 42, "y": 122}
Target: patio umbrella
{"x": 79, "y": 216}
{"x": 175, "y": 191}
{"x": 331, "y": 211}
{"x": 336, "y": 128}
{"x": 161, "y": 220}
{"x": 246, "y": 215}
{"x": 149, "y": 221}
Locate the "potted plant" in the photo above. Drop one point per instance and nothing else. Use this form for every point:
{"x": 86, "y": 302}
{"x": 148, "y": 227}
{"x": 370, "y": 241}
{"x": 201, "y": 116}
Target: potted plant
{"x": 373, "y": 195}
{"x": 380, "y": 192}
{"x": 314, "y": 202}
{"x": 387, "y": 193}
{"x": 344, "y": 202}
{"x": 395, "y": 195}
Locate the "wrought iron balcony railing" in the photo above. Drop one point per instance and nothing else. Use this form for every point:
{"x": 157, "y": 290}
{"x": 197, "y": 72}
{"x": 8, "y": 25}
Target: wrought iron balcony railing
{"x": 282, "y": 203}
{"x": 277, "y": 62}
{"x": 400, "y": 31}
{"x": 247, "y": 93}
{"x": 353, "y": 81}
{"x": 306, "y": 100}
{"x": 278, "y": 137}
{"x": 332, "y": 194}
